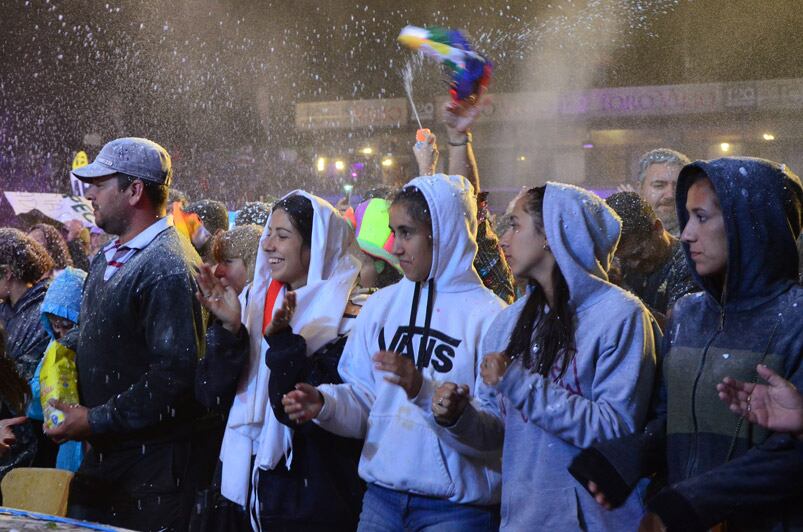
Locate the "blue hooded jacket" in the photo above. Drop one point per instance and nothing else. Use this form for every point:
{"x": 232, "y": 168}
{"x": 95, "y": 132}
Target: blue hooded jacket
{"x": 719, "y": 467}
{"x": 63, "y": 300}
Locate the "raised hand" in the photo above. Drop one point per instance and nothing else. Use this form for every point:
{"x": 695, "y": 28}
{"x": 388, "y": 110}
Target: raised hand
{"x": 303, "y": 404}
{"x": 219, "y": 298}
{"x": 493, "y": 368}
{"x": 448, "y": 402}
{"x": 402, "y": 371}
{"x": 777, "y": 405}
{"x": 426, "y": 151}
{"x": 459, "y": 117}
{"x": 281, "y": 318}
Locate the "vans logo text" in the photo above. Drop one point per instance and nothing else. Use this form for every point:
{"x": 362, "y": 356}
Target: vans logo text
{"x": 439, "y": 351}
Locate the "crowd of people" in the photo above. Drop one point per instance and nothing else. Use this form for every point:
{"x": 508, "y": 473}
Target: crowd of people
{"x": 406, "y": 363}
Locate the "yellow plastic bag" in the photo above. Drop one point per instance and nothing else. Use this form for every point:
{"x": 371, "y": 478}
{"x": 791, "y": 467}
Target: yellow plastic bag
{"x": 58, "y": 380}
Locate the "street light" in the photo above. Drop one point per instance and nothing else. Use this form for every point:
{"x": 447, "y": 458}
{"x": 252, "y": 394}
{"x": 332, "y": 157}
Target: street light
{"x": 367, "y": 150}
{"x": 725, "y": 147}
{"x": 768, "y": 136}
{"x": 387, "y": 162}
{"x": 339, "y": 165}
{"x": 321, "y": 164}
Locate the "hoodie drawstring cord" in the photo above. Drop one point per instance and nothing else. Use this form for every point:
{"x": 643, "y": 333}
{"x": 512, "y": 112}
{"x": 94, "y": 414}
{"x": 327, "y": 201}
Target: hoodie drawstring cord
{"x": 413, "y": 313}
{"x": 253, "y": 504}
{"x": 422, "y": 346}
{"x": 422, "y": 349}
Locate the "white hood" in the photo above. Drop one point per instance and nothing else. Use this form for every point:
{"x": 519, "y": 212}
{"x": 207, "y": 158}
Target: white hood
{"x": 320, "y": 304}
{"x": 452, "y": 206}
{"x": 440, "y": 324}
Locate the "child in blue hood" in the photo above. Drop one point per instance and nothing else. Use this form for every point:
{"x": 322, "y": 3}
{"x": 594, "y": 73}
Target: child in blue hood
{"x": 59, "y": 316}
{"x": 739, "y": 219}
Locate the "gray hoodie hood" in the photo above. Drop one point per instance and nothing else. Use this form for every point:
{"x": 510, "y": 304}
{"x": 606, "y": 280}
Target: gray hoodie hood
{"x": 583, "y": 233}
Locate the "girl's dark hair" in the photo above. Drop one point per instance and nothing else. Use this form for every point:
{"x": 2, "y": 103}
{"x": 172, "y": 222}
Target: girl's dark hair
{"x": 300, "y": 211}
{"x": 27, "y": 259}
{"x": 552, "y": 341}
{"x": 416, "y": 204}
{"x": 14, "y": 391}
{"x": 55, "y": 245}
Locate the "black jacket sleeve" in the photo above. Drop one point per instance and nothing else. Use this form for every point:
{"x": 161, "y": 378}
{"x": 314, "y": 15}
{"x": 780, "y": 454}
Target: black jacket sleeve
{"x": 286, "y": 357}
{"x": 220, "y": 369}
{"x": 763, "y": 479}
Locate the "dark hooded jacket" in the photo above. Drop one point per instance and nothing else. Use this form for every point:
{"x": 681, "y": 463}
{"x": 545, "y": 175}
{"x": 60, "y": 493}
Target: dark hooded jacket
{"x": 719, "y": 467}
{"x": 27, "y": 337}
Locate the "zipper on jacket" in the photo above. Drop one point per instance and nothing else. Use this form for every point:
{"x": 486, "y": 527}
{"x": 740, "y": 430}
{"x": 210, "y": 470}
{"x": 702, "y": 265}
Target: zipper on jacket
{"x": 692, "y": 461}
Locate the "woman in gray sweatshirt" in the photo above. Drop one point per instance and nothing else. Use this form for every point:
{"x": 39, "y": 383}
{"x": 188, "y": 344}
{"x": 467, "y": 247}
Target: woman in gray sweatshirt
{"x": 570, "y": 364}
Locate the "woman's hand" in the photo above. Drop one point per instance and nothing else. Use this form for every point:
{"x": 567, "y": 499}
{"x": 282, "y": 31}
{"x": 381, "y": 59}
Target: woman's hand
{"x": 426, "y": 152}
{"x": 493, "y": 368}
{"x": 281, "y": 318}
{"x": 777, "y": 405}
{"x": 303, "y": 404}
{"x": 598, "y": 495}
{"x": 402, "y": 371}
{"x": 448, "y": 402}
{"x": 459, "y": 117}
{"x": 219, "y": 298}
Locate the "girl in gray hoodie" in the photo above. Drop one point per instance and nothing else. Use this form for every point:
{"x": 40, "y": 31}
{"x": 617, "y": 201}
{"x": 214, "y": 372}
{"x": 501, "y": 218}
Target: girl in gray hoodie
{"x": 570, "y": 364}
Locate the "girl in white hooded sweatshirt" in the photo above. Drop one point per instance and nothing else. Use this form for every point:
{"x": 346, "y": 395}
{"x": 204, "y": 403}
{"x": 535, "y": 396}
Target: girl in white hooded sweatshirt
{"x": 291, "y": 328}
{"x": 410, "y": 336}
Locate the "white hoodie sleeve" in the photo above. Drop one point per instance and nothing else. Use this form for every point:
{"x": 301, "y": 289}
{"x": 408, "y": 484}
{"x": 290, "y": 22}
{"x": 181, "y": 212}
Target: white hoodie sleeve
{"x": 346, "y": 406}
{"x": 624, "y": 371}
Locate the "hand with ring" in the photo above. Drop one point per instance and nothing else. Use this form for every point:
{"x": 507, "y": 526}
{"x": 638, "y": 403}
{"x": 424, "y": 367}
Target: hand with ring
{"x": 448, "y": 402}
{"x": 218, "y": 298}
{"x": 776, "y": 405}
{"x": 493, "y": 368}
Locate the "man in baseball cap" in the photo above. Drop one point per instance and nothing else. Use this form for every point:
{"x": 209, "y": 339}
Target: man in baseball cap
{"x": 142, "y": 332}
{"x": 135, "y": 157}
{"x": 129, "y": 182}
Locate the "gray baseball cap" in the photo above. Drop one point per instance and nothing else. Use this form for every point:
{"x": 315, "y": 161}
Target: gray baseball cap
{"x": 136, "y": 157}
